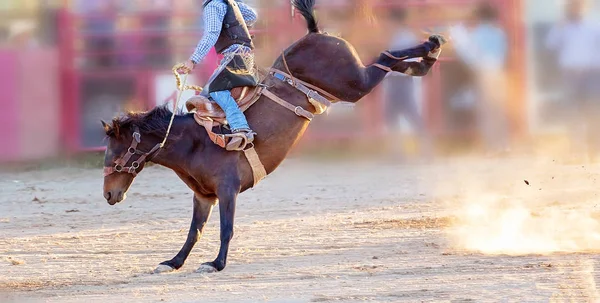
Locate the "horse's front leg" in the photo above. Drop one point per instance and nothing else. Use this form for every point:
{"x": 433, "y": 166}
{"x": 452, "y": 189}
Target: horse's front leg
{"x": 202, "y": 210}
{"x": 227, "y": 198}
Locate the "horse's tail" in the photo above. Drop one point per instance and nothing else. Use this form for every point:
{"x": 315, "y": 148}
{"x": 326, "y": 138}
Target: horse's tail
{"x": 306, "y": 8}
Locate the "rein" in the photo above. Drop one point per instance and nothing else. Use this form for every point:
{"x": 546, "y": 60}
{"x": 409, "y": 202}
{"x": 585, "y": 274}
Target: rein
{"x": 120, "y": 164}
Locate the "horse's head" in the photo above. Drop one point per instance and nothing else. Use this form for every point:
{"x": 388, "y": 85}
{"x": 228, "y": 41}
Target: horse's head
{"x": 132, "y": 142}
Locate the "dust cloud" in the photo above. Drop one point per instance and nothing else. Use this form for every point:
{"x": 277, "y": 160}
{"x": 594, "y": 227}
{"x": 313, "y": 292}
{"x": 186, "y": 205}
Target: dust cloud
{"x": 520, "y": 219}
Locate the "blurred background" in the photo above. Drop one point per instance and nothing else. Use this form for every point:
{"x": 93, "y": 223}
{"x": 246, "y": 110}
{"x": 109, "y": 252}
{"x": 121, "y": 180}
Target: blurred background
{"x": 516, "y": 75}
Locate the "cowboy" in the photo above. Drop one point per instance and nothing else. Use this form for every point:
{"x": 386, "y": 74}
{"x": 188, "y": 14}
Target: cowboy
{"x": 226, "y": 28}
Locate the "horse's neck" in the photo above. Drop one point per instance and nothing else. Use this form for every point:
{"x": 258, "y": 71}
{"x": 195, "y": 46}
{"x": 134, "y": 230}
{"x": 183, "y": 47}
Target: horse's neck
{"x": 170, "y": 155}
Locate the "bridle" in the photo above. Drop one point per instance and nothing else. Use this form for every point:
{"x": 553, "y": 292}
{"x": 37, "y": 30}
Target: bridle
{"x": 120, "y": 164}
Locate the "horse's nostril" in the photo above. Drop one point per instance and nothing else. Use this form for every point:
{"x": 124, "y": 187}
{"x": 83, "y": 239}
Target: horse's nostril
{"x": 107, "y": 195}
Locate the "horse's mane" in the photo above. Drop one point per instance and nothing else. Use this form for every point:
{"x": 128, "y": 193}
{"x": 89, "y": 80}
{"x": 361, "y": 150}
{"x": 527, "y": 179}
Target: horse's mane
{"x": 154, "y": 121}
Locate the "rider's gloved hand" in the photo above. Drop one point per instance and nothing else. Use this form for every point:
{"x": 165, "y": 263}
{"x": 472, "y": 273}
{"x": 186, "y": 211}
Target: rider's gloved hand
{"x": 186, "y": 68}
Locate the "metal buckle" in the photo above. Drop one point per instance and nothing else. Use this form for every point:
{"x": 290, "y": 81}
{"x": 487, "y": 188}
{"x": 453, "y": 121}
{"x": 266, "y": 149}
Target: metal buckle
{"x": 131, "y": 170}
{"x": 137, "y": 137}
{"x": 131, "y": 150}
{"x": 297, "y": 111}
{"x": 118, "y": 168}
{"x": 135, "y": 164}
{"x": 311, "y": 94}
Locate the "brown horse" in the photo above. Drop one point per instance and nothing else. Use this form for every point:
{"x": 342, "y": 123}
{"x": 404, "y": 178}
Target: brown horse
{"x": 216, "y": 175}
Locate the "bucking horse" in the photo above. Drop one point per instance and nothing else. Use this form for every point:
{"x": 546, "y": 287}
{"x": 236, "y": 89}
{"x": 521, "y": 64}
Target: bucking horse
{"x": 304, "y": 80}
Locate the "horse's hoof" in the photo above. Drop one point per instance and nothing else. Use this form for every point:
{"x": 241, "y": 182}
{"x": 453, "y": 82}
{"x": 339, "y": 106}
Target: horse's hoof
{"x": 438, "y": 39}
{"x": 206, "y": 269}
{"x": 162, "y": 268}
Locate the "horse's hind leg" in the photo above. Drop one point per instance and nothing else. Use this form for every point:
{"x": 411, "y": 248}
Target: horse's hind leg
{"x": 421, "y": 50}
{"x": 227, "y": 199}
{"x": 202, "y": 210}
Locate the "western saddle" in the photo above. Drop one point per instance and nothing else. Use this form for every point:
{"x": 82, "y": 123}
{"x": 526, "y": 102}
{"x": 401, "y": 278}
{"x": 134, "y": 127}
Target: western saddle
{"x": 209, "y": 114}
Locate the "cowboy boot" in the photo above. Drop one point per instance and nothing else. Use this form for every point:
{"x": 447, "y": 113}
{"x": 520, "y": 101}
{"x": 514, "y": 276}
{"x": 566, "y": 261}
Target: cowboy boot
{"x": 241, "y": 138}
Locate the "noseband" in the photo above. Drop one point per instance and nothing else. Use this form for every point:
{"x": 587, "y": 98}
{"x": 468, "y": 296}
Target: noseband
{"x": 120, "y": 163}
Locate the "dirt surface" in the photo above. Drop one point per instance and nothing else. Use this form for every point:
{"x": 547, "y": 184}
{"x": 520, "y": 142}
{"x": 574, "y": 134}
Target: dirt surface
{"x": 457, "y": 231}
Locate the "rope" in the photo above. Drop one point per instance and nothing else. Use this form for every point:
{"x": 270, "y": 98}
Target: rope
{"x": 181, "y": 86}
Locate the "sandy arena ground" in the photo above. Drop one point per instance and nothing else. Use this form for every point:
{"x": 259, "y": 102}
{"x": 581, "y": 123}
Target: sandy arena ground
{"x": 314, "y": 231}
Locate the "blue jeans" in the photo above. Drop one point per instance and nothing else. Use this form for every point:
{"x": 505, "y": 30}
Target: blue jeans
{"x": 233, "y": 114}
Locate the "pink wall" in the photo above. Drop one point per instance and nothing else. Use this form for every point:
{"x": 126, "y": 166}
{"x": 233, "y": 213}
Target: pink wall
{"x": 39, "y": 104}
{"x": 9, "y": 111}
{"x": 30, "y": 99}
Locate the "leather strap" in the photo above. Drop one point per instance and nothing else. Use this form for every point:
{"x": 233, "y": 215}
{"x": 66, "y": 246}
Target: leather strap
{"x": 299, "y": 111}
{"x": 149, "y": 154}
{"x": 289, "y": 75}
{"x": 218, "y": 139}
{"x": 383, "y": 67}
{"x": 243, "y": 94}
{"x": 394, "y": 57}
{"x": 136, "y": 139}
{"x": 108, "y": 170}
{"x": 119, "y": 166}
{"x": 258, "y": 169}
{"x": 317, "y": 101}
{"x": 298, "y": 81}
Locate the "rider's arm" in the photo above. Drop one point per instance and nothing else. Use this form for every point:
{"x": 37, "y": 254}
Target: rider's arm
{"x": 213, "y": 16}
{"x": 248, "y": 13}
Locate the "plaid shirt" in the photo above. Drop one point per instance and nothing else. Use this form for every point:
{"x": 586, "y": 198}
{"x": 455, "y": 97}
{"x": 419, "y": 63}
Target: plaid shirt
{"x": 214, "y": 13}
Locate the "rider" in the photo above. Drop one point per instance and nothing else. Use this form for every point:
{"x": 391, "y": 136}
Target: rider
{"x": 226, "y": 28}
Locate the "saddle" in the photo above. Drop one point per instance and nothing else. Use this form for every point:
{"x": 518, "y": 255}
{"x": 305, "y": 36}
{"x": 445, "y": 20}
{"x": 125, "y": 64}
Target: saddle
{"x": 207, "y": 109}
{"x": 209, "y": 114}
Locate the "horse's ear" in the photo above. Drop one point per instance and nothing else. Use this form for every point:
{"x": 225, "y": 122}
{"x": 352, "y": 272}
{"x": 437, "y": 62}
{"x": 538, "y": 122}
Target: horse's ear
{"x": 115, "y": 129}
{"x": 107, "y": 127}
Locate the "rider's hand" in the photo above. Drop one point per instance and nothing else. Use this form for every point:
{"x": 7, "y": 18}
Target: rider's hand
{"x": 187, "y": 67}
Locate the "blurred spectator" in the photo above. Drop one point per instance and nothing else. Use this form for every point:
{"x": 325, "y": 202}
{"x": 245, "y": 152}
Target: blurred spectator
{"x": 362, "y": 29}
{"x": 400, "y": 89}
{"x": 575, "y": 40}
{"x": 156, "y": 19}
{"x": 99, "y": 24}
{"x": 22, "y": 34}
{"x": 484, "y": 50}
